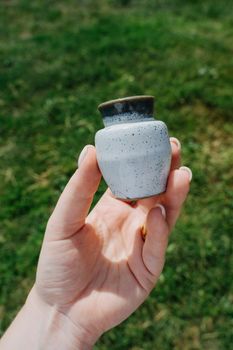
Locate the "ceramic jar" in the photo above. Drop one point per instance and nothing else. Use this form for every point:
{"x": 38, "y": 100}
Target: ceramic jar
{"x": 133, "y": 150}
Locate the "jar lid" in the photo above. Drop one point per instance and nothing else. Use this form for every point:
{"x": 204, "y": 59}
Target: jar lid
{"x": 143, "y": 104}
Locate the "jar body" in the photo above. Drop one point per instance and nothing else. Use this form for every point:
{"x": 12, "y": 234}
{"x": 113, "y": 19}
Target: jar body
{"x": 134, "y": 158}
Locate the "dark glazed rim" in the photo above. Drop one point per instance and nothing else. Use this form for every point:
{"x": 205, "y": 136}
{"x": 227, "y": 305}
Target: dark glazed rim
{"x": 142, "y": 105}
{"x": 125, "y": 99}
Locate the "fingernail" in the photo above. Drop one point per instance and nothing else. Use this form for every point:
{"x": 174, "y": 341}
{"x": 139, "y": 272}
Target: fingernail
{"x": 189, "y": 171}
{"x": 82, "y": 155}
{"x": 176, "y": 141}
{"x": 163, "y": 211}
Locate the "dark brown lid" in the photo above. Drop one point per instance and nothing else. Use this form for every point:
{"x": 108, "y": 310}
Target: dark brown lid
{"x": 134, "y": 104}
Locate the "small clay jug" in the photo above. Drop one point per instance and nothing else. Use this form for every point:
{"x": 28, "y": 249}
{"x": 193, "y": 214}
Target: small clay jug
{"x": 133, "y": 150}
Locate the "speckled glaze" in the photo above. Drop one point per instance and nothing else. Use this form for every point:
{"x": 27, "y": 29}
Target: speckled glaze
{"x": 133, "y": 150}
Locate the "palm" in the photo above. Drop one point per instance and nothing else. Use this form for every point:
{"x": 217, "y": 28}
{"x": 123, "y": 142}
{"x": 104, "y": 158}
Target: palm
{"x": 107, "y": 278}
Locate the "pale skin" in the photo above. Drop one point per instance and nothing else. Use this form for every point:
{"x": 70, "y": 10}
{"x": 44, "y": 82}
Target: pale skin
{"x": 95, "y": 270}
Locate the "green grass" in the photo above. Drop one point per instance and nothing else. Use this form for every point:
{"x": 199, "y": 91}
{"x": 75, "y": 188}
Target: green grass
{"x": 58, "y": 61}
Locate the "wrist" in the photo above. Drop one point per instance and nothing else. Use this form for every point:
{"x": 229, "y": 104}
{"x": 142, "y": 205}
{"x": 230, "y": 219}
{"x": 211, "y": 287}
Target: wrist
{"x": 41, "y": 326}
{"x": 56, "y": 331}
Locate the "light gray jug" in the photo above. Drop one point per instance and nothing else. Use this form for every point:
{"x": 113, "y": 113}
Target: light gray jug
{"x": 133, "y": 150}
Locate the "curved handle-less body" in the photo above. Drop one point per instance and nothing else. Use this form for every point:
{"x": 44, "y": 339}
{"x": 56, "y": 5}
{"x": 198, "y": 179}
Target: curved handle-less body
{"x": 133, "y": 152}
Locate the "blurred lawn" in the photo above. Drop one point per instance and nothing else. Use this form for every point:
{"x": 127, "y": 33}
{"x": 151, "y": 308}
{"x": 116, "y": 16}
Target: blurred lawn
{"x": 58, "y": 61}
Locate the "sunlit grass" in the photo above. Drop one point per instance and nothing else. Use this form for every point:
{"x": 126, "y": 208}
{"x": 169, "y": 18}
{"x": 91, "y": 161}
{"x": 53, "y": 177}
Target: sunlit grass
{"x": 57, "y": 63}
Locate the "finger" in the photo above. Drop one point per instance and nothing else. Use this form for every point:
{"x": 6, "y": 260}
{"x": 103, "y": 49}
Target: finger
{"x": 74, "y": 203}
{"x": 148, "y": 203}
{"x": 176, "y": 153}
{"x": 155, "y": 245}
{"x": 176, "y": 193}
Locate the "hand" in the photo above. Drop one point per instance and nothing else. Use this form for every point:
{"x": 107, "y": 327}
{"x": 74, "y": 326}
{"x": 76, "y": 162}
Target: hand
{"x": 97, "y": 270}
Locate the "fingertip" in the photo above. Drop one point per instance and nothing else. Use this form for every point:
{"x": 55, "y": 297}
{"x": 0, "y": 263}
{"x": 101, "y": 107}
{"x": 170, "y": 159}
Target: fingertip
{"x": 187, "y": 170}
{"x": 175, "y": 141}
{"x": 83, "y": 154}
{"x": 156, "y": 217}
{"x": 175, "y": 149}
{"x": 93, "y": 153}
{"x": 176, "y": 153}
{"x": 182, "y": 179}
{"x": 88, "y": 159}
{"x": 163, "y": 211}
{"x": 88, "y": 171}
{"x": 178, "y": 178}
{"x": 177, "y": 188}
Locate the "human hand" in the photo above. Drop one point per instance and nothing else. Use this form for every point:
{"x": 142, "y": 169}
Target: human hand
{"x": 97, "y": 270}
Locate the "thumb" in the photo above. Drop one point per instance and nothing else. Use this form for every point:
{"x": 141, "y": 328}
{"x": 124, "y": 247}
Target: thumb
{"x": 74, "y": 203}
